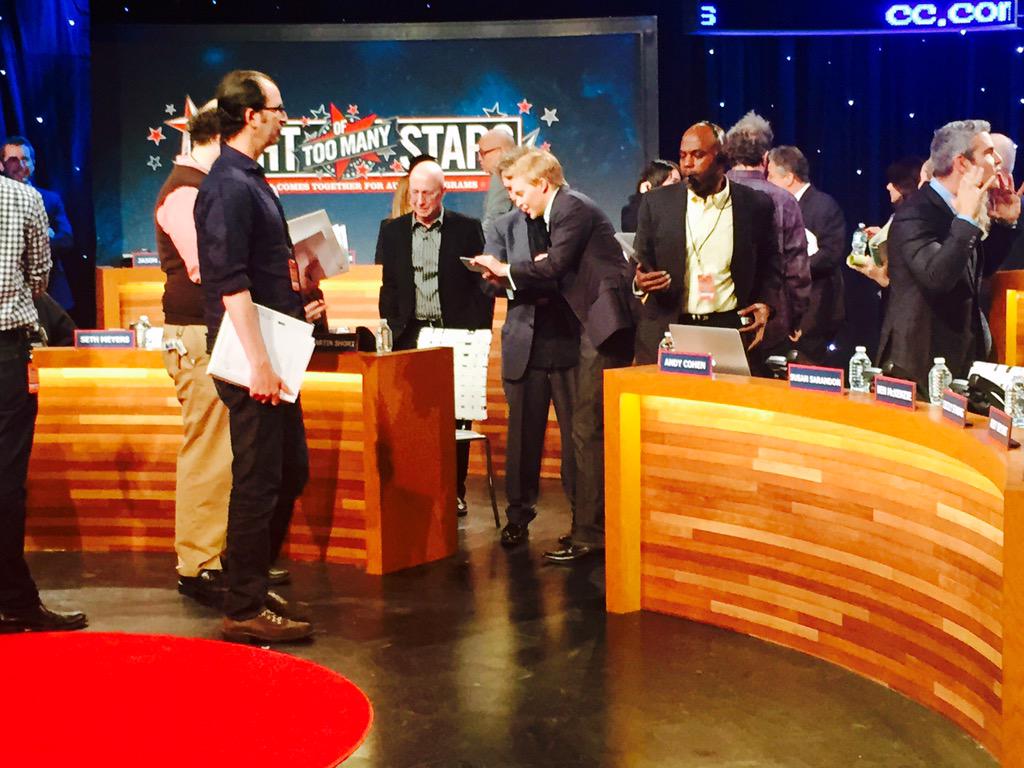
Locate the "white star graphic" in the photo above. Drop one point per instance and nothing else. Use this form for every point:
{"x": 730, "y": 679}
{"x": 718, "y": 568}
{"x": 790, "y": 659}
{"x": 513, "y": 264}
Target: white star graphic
{"x": 154, "y": 162}
{"x": 169, "y": 109}
{"x": 530, "y": 139}
{"x": 386, "y": 152}
{"x": 494, "y": 111}
{"x": 550, "y": 116}
{"x": 320, "y": 114}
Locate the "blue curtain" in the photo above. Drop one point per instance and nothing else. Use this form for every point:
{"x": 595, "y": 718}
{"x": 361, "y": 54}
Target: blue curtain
{"x": 46, "y": 96}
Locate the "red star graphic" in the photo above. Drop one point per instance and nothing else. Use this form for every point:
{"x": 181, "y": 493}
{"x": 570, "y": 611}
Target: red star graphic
{"x": 363, "y": 170}
{"x": 156, "y": 135}
{"x": 352, "y": 110}
{"x": 358, "y": 125}
{"x": 524, "y": 107}
{"x": 397, "y": 167}
{"x": 305, "y": 121}
{"x": 546, "y": 146}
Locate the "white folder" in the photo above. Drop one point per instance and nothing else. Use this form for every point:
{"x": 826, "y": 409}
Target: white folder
{"x": 289, "y": 344}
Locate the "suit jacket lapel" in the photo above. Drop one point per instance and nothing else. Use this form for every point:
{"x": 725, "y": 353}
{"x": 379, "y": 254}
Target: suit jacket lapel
{"x": 741, "y": 251}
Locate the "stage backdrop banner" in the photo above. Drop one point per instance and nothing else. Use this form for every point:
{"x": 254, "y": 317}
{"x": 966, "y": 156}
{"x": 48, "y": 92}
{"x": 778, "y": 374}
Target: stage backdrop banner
{"x": 363, "y": 100}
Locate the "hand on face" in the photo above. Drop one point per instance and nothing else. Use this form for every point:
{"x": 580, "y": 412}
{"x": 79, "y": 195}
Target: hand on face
{"x": 972, "y": 192}
{"x": 1004, "y": 202}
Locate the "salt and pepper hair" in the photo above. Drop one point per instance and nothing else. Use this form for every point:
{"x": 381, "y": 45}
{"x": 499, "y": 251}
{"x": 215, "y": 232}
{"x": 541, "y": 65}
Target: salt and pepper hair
{"x": 748, "y": 140}
{"x": 791, "y": 160}
{"x": 954, "y": 140}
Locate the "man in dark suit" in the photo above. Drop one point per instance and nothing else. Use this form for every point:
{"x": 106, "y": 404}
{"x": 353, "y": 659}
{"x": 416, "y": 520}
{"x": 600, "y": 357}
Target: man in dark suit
{"x": 937, "y": 256}
{"x": 19, "y": 159}
{"x": 593, "y": 278}
{"x": 706, "y": 250}
{"x": 425, "y": 284}
{"x": 539, "y": 353}
{"x": 826, "y": 244}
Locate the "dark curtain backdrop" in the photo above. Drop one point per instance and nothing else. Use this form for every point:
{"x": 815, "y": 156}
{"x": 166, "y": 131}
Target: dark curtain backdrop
{"x": 902, "y": 88}
{"x": 46, "y": 96}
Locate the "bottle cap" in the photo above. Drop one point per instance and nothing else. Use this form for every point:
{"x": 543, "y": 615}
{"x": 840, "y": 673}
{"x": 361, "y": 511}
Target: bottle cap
{"x": 860, "y": 349}
{"x": 940, "y": 361}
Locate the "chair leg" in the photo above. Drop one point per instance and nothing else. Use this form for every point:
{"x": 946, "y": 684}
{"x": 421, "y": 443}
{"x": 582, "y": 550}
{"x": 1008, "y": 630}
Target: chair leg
{"x": 490, "y": 482}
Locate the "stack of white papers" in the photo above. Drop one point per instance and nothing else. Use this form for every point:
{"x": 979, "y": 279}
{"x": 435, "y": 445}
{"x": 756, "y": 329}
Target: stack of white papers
{"x": 289, "y": 344}
{"x": 320, "y": 248}
{"x": 471, "y": 353}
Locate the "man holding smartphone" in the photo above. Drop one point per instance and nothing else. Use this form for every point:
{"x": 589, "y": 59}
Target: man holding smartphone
{"x": 706, "y": 250}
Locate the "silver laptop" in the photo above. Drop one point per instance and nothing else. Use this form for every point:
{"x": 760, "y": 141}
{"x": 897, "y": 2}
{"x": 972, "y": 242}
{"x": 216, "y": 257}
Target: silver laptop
{"x": 725, "y": 345}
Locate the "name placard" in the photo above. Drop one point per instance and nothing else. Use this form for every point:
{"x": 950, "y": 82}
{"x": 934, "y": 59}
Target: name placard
{"x": 954, "y": 408}
{"x": 815, "y": 378}
{"x": 685, "y": 362}
{"x": 898, "y": 392}
{"x": 104, "y": 339}
{"x": 145, "y": 260}
{"x": 1000, "y": 427}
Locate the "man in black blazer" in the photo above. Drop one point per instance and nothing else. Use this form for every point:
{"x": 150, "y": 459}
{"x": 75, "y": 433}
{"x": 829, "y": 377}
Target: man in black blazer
{"x": 827, "y": 245}
{"x": 539, "y": 353}
{"x": 593, "y": 277}
{"x": 937, "y": 256}
{"x": 706, "y": 250}
{"x": 424, "y": 283}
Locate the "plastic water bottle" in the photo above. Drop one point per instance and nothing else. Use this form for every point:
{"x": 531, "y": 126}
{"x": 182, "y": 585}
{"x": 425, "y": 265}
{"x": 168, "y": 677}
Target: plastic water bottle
{"x": 939, "y": 379}
{"x": 859, "y": 363}
{"x": 666, "y": 345}
{"x": 384, "y": 337}
{"x": 859, "y": 246}
{"x": 1015, "y": 400}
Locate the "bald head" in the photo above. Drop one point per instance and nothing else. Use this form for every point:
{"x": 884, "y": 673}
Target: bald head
{"x": 426, "y": 190}
{"x": 700, "y": 164}
{"x": 1006, "y": 150}
{"x": 493, "y": 145}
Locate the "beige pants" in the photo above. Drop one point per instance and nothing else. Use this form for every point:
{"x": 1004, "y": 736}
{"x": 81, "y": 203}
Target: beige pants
{"x": 203, "y": 484}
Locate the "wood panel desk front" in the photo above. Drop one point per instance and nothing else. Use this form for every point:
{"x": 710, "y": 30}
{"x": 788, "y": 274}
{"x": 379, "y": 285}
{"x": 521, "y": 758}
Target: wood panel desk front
{"x": 122, "y": 294}
{"x": 888, "y": 542}
{"x": 381, "y": 449}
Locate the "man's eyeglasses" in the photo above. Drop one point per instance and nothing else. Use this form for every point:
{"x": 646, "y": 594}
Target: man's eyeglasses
{"x": 279, "y": 109}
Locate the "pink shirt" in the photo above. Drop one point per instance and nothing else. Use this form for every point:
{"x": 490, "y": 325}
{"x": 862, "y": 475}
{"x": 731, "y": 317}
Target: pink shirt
{"x": 174, "y": 216}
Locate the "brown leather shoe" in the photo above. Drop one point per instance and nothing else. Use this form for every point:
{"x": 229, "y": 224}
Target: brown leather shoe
{"x": 287, "y": 608}
{"x": 39, "y": 618}
{"x": 265, "y": 627}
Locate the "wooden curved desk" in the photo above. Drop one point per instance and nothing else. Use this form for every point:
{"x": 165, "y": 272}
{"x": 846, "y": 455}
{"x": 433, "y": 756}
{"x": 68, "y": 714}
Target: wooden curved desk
{"x": 886, "y": 541}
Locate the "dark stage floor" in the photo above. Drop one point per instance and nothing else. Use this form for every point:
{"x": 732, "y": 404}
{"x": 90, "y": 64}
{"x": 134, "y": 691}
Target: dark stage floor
{"x": 492, "y": 659}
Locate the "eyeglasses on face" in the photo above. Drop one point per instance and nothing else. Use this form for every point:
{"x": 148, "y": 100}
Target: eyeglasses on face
{"x": 279, "y": 109}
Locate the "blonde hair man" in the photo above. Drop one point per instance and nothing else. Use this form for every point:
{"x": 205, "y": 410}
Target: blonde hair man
{"x": 586, "y": 262}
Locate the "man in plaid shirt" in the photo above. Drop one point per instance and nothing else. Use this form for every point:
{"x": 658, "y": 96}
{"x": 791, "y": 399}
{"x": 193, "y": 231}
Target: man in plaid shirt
{"x": 24, "y": 268}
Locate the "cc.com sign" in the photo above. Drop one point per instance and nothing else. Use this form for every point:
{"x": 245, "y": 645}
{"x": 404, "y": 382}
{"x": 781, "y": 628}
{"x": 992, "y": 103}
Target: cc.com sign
{"x": 951, "y": 15}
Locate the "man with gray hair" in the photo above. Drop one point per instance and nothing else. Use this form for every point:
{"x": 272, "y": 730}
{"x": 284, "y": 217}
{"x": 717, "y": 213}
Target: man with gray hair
{"x": 937, "y": 257}
{"x": 746, "y": 145}
{"x": 490, "y": 149}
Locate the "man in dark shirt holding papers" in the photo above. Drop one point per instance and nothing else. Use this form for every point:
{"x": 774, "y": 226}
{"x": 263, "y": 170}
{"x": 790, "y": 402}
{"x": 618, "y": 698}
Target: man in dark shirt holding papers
{"x": 245, "y": 258}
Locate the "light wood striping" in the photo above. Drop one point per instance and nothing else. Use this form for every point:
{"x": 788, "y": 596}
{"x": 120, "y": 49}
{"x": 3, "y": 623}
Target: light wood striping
{"x": 859, "y": 534}
{"x": 124, "y": 294}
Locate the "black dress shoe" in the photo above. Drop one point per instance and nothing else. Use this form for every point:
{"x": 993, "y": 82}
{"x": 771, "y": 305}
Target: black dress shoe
{"x": 286, "y": 608}
{"x": 570, "y": 554}
{"x": 208, "y": 588}
{"x": 513, "y": 534}
{"x": 565, "y": 540}
{"x": 39, "y": 618}
{"x": 278, "y": 576}
{"x": 461, "y": 509}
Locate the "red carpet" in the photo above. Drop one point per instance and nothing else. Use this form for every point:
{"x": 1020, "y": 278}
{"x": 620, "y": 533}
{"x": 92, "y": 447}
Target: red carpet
{"x": 90, "y": 699}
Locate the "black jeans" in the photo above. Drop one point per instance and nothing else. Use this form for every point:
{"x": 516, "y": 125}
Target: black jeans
{"x": 17, "y": 428}
{"x": 269, "y": 469}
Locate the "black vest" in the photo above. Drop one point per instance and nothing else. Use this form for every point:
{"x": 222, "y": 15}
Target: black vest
{"x": 183, "y": 299}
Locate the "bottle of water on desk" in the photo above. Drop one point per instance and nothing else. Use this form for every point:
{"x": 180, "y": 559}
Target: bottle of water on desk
{"x": 1014, "y": 400}
{"x": 858, "y": 364}
{"x": 939, "y": 379}
{"x": 384, "y": 337}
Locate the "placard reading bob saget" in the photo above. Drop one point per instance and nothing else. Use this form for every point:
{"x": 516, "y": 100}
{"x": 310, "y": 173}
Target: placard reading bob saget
{"x": 471, "y": 351}
{"x": 816, "y": 378}
{"x": 686, "y": 362}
